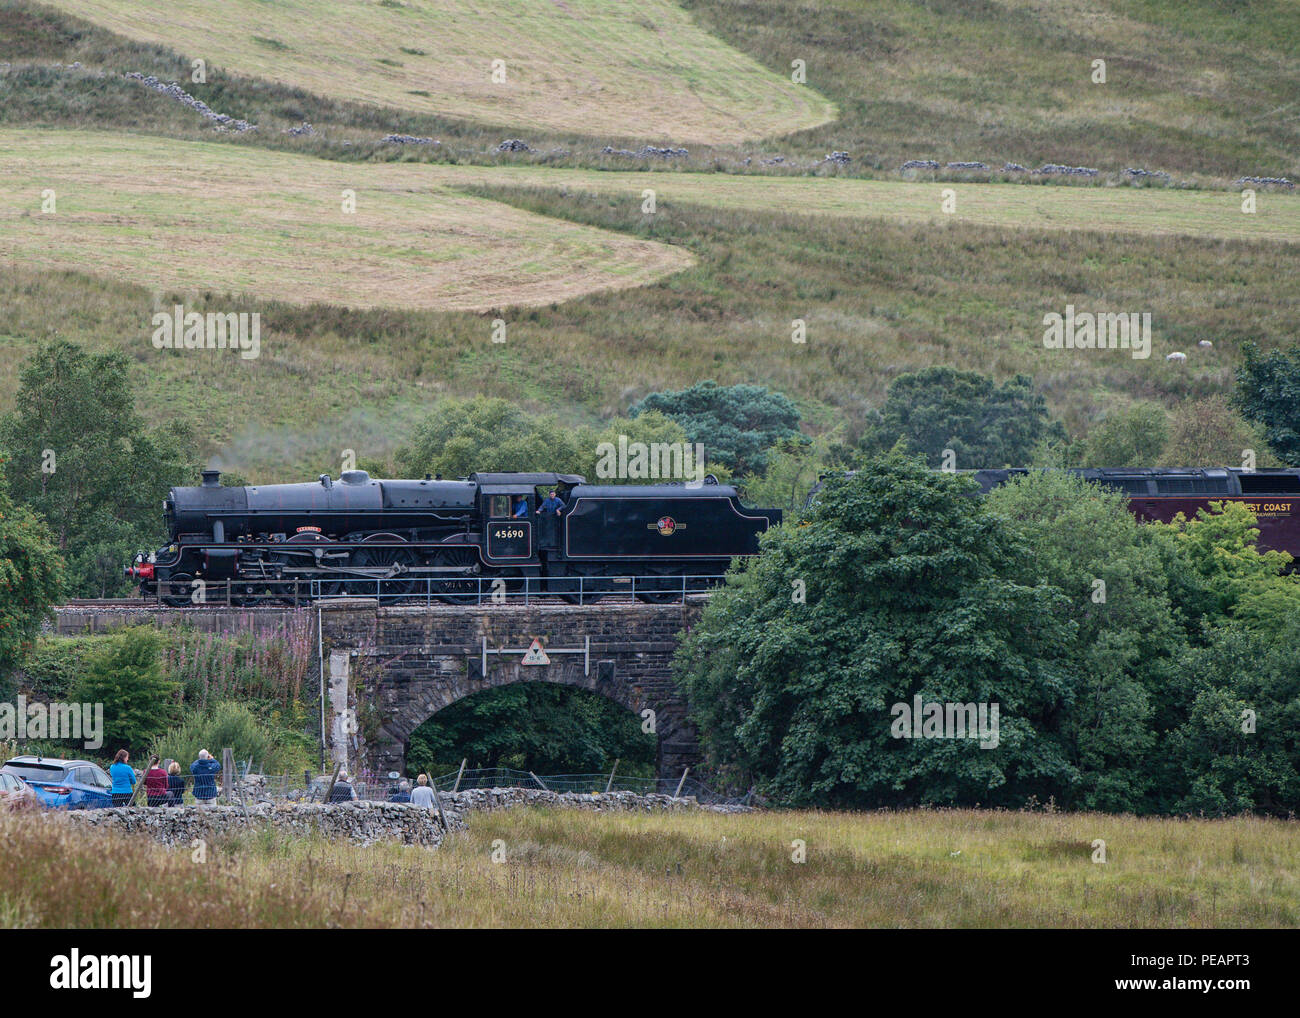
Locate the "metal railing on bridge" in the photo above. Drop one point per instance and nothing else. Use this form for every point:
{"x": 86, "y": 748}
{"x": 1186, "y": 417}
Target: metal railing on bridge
{"x": 429, "y": 590}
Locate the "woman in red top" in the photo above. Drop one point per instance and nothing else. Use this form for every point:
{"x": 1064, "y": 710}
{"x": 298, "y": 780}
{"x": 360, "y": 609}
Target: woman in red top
{"x": 155, "y": 784}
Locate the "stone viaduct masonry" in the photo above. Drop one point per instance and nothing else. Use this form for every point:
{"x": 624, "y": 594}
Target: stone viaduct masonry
{"x": 389, "y": 669}
{"x": 400, "y": 666}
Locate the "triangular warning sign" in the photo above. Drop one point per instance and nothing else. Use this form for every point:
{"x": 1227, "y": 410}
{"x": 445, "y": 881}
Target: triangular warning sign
{"x": 535, "y": 655}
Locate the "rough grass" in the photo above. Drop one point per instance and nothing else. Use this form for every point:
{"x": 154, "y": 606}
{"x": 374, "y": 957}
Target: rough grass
{"x": 964, "y": 868}
{"x": 1209, "y": 86}
{"x": 185, "y": 215}
{"x": 1205, "y": 89}
{"x": 643, "y": 69}
{"x": 879, "y": 297}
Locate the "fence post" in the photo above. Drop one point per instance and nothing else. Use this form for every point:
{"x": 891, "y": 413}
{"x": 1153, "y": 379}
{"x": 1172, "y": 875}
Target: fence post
{"x": 330, "y": 790}
{"x": 539, "y": 781}
{"x": 437, "y": 799}
{"x": 610, "y": 783}
{"x": 460, "y": 774}
{"x": 677, "y": 794}
{"x": 227, "y": 773}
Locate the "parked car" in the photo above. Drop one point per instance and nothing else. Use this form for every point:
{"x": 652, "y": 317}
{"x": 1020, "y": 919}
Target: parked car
{"x": 16, "y": 794}
{"x": 63, "y": 784}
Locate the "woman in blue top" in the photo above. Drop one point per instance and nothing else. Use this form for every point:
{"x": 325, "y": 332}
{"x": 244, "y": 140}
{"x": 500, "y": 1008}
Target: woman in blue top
{"x": 123, "y": 778}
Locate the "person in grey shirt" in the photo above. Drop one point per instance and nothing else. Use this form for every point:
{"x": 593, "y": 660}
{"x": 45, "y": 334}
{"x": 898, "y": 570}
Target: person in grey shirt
{"x": 422, "y": 794}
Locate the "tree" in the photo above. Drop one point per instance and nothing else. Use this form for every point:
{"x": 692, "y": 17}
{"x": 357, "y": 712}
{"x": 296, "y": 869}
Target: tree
{"x": 82, "y": 459}
{"x": 1134, "y": 437}
{"x": 984, "y": 424}
{"x": 1238, "y": 747}
{"x": 31, "y": 577}
{"x": 1240, "y": 582}
{"x": 1085, "y": 543}
{"x": 737, "y": 424}
{"x": 792, "y": 471}
{"x": 485, "y": 435}
{"x": 126, "y": 677}
{"x": 1268, "y": 392}
{"x": 892, "y": 587}
{"x": 1208, "y": 432}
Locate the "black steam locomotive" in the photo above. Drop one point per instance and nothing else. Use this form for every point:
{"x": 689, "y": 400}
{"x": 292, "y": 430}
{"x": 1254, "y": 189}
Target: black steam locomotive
{"x": 443, "y": 539}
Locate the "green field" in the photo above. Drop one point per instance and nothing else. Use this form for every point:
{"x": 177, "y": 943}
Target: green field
{"x": 641, "y": 69}
{"x": 186, "y": 216}
{"x": 885, "y": 282}
{"x": 961, "y": 868}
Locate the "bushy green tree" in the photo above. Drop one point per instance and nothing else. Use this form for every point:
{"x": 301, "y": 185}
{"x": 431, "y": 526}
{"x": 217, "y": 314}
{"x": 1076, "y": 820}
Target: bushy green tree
{"x": 486, "y": 435}
{"x": 31, "y": 577}
{"x": 1268, "y": 392}
{"x": 907, "y": 590}
{"x": 126, "y": 677}
{"x": 1128, "y": 634}
{"x": 1133, "y": 437}
{"x": 1238, "y": 747}
{"x": 738, "y": 424}
{"x": 984, "y": 424}
{"x": 83, "y": 459}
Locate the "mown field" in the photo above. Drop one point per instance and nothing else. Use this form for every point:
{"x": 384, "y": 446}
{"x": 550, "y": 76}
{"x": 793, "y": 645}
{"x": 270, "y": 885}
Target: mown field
{"x": 963, "y": 868}
{"x": 640, "y": 69}
{"x": 185, "y": 216}
{"x": 1202, "y": 89}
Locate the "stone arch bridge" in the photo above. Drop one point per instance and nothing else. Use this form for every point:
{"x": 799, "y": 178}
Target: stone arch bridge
{"x": 389, "y": 669}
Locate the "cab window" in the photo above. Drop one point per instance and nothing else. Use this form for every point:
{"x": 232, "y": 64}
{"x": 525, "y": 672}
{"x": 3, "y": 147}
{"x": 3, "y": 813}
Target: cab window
{"x": 501, "y": 506}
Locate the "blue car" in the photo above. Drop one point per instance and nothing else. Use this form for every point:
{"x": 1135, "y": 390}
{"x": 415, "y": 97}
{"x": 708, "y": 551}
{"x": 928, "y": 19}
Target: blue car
{"x": 64, "y": 784}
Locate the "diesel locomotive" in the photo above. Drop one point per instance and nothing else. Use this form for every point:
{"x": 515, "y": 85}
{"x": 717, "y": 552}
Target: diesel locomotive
{"x": 1161, "y": 493}
{"x": 438, "y": 538}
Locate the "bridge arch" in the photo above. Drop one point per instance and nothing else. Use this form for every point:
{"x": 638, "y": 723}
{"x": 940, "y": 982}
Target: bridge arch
{"x": 390, "y": 669}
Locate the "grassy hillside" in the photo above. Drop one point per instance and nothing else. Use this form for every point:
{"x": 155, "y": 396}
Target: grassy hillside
{"x": 879, "y": 297}
{"x": 1203, "y": 89}
{"x": 921, "y": 869}
{"x": 639, "y": 69}
{"x": 1210, "y": 86}
{"x": 188, "y": 216}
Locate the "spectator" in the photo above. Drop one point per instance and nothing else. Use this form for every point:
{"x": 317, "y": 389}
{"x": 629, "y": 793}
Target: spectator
{"x": 551, "y": 505}
{"x": 175, "y": 784}
{"x": 123, "y": 778}
{"x": 155, "y": 785}
{"x": 422, "y": 796}
{"x": 343, "y": 790}
{"x": 402, "y": 793}
{"x": 204, "y": 770}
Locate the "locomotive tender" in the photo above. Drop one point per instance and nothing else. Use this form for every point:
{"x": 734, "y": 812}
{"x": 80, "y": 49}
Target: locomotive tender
{"x": 440, "y": 538}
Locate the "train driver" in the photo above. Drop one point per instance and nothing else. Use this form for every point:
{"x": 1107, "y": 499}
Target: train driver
{"x": 521, "y": 508}
{"x": 551, "y": 505}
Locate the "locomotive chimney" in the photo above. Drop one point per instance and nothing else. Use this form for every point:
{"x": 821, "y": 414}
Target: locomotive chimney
{"x": 212, "y": 478}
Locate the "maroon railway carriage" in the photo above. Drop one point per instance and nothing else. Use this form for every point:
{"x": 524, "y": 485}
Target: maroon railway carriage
{"x": 1162, "y": 493}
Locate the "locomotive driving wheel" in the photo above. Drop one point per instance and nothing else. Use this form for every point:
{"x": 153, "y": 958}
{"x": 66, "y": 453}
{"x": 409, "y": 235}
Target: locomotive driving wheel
{"x": 387, "y": 553}
{"x": 329, "y": 586}
{"x": 456, "y": 589}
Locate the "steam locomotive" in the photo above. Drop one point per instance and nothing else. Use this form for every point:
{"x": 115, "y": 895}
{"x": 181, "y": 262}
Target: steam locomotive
{"x": 439, "y": 538}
